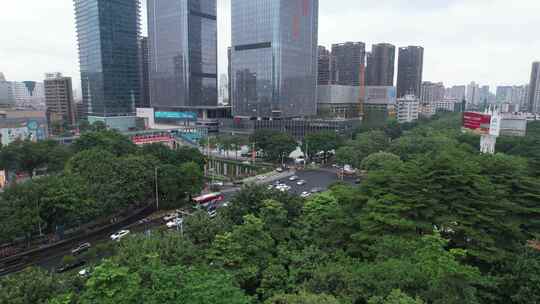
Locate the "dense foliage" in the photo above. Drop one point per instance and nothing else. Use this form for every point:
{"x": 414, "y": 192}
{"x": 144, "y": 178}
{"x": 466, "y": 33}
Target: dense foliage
{"x": 101, "y": 174}
{"x": 433, "y": 222}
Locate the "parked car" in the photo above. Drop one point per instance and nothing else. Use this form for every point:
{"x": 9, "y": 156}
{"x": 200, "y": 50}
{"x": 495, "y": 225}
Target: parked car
{"x": 305, "y": 194}
{"x": 316, "y": 190}
{"x": 119, "y": 235}
{"x": 175, "y": 223}
{"x": 301, "y": 182}
{"x": 293, "y": 178}
{"x": 80, "y": 249}
{"x": 279, "y": 170}
{"x": 212, "y": 213}
{"x": 68, "y": 267}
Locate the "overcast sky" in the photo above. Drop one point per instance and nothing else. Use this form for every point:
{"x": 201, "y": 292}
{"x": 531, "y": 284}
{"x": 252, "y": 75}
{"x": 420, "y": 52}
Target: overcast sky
{"x": 488, "y": 41}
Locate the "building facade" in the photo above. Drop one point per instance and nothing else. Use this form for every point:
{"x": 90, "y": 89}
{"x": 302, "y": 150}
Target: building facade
{"x": 380, "y": 65}
{"x": 473, "y": 94}
{"x": 338, "y": 101}
{"x": 323, "y": 66}
{"x": 183, "y": 54}
{"x": 29, "y": 94}
{"x": 534, "y": 89}
{"x": 108, "y": 33}
{"x": 504, "y": 94}
{"x": 7, "y": 99}
{"x": 347, "y": 65}
{"x": 59, "y": 99}
{"x": 408, "y": 109}
{"x": 144, "y": 61}
{"x": 432, "y": 92}
{"x": 274, "y": 58}
{"x": 410, "y": 69}
{"x": 457, "y": 92}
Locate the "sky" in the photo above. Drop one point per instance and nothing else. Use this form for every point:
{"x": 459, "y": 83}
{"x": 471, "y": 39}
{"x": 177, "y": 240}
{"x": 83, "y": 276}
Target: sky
{"x": 492, "y": 42}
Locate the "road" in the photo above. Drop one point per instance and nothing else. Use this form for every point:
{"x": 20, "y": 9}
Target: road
{"x": 315, "y": 179}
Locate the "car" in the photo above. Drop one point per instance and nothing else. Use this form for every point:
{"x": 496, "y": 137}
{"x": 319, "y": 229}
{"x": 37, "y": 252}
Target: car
{"x": 81, "y": 248}
{"x": 218, "y": 184}
{"x": 279, "y": 170}
{"x": 270, "y": 187}
{"x": 212, "y": 213}
{"x": 175, "y": 223}
{"x": 144, "y": 220}
{"x": 301, "y": 182}
{"x": 293, "y": 178}
{"x": 305, "y": 194}
{"x": 68, "y": 267}
{"x": 226, "y": 204}
{"x": 119, "y": 235}
{"x": 316, "y": 190}
{"x": 261, "y": 177}
{"x": 277, "y": 183}
{"x": 170, "y": 217}
{"x": 84, "y": 272}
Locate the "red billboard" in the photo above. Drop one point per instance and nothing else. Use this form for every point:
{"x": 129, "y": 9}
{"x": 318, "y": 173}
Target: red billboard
{"x": 477, "y": 122}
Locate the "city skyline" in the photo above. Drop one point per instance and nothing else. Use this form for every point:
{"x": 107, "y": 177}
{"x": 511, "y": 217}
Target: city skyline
{"x": 451, "y": 56}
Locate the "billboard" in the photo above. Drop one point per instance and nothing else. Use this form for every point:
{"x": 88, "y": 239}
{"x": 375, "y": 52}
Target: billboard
{"x": 477, "y": 122}
{"x": 176, "y": 115}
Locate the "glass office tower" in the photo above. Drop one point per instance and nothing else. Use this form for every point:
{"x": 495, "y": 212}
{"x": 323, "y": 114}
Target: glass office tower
{"x": 183, "y": 53}
{"x": 274, "y": 58}
{"x": 108, "y": 33}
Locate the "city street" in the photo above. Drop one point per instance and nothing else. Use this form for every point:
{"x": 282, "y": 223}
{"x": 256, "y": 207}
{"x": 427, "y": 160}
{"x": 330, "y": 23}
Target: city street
{"x": 320, "y": 179}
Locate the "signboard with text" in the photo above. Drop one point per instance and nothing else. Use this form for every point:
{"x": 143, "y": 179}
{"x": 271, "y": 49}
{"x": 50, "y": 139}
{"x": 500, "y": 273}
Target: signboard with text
{"x": 176, "y": 115}
{"x": 478, "y": 123}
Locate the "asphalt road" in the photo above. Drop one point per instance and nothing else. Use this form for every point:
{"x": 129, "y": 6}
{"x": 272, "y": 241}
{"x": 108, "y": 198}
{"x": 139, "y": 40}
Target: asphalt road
{"x": 315, "y": 179}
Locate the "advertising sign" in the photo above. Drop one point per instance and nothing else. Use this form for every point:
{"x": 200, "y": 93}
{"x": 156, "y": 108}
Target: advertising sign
{"x": 176, "y": 115}
{"x": 477, "y": 122}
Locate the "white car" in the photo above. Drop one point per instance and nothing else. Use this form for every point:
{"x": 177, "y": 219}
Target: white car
{"x": 170, "y": 217}
{"x": 261, "y": 177}
{"x": 119, "y": 235}
{"x": 212, "y": 214}
{"x": 293, "y": 178}
{"x": 174, "y": 223}
{"x": 301, "y": 182}
{"x": 305, "y": 194}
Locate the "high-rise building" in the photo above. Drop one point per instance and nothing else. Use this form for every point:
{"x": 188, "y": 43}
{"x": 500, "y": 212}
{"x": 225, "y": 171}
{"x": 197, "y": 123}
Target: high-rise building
{"x": 380, "y": 65}
{"x": 519, "y": 95}
{"x": 144, "y": 61}
{"x": 534, "y": 88}
{"x": 29, "y": 94}
{"x": 274, "y": 58}
{"x": 229, "y": 73}
{"x": 432, "y": 92}
{"x": 473, "y": 94}
{"x": 59, "y": 98}
{"x": 457, "y": 92}
{"x": 323, "y": 66}
{"x": 7, "y": 99}
{"x": 410, "y": 67}
{"x": 183, "y": 52}
{"x": 348, "y": 63}
{"x": 504, "y": 94}
{"x": 108, "y": 37}
{"x": 484, "y": 94}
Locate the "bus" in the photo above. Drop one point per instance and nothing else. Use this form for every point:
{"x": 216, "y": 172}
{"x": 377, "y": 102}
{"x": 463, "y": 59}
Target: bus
{"x": 208, "y": 199}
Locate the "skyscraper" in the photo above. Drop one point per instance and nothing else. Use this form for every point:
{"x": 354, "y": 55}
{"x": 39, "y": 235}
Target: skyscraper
{"x": 348, "y": 63}
{"x": 410, "y": 67}
{"x": 59, "y": 98}
{"x": 108, "y": 34}
{"x": 274, "y": 55}
{"x": 144, "y": 61}
{"x": 534, "y": 89}
{"x": 324, "y": 66}
{"x": 380, "y": 65}
{"x": 7, "y": 99}
{"x": 473, "y": 94}
{"x": 504, "y": 94}
{"x": 183, "y": 52}
{"x": 432, "y": 92}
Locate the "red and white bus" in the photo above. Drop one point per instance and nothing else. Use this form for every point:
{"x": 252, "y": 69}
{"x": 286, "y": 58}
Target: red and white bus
{"x": 208, "y": 199}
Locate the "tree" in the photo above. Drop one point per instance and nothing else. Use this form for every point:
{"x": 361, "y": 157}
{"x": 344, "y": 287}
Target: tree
{"x": 395, "y": 297}
{"x": 275, "y": 145}
{"x": 393, "y": 129}
{"x": 31, "y": 286}
{"x": 108, "y": 140}
{"x": 303, "y": 298}
{"x": 522, "y": 279}
{"x": 380, "y": 161}
{"x": 325, "y": 142}
{"x": 111, "y": 284}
